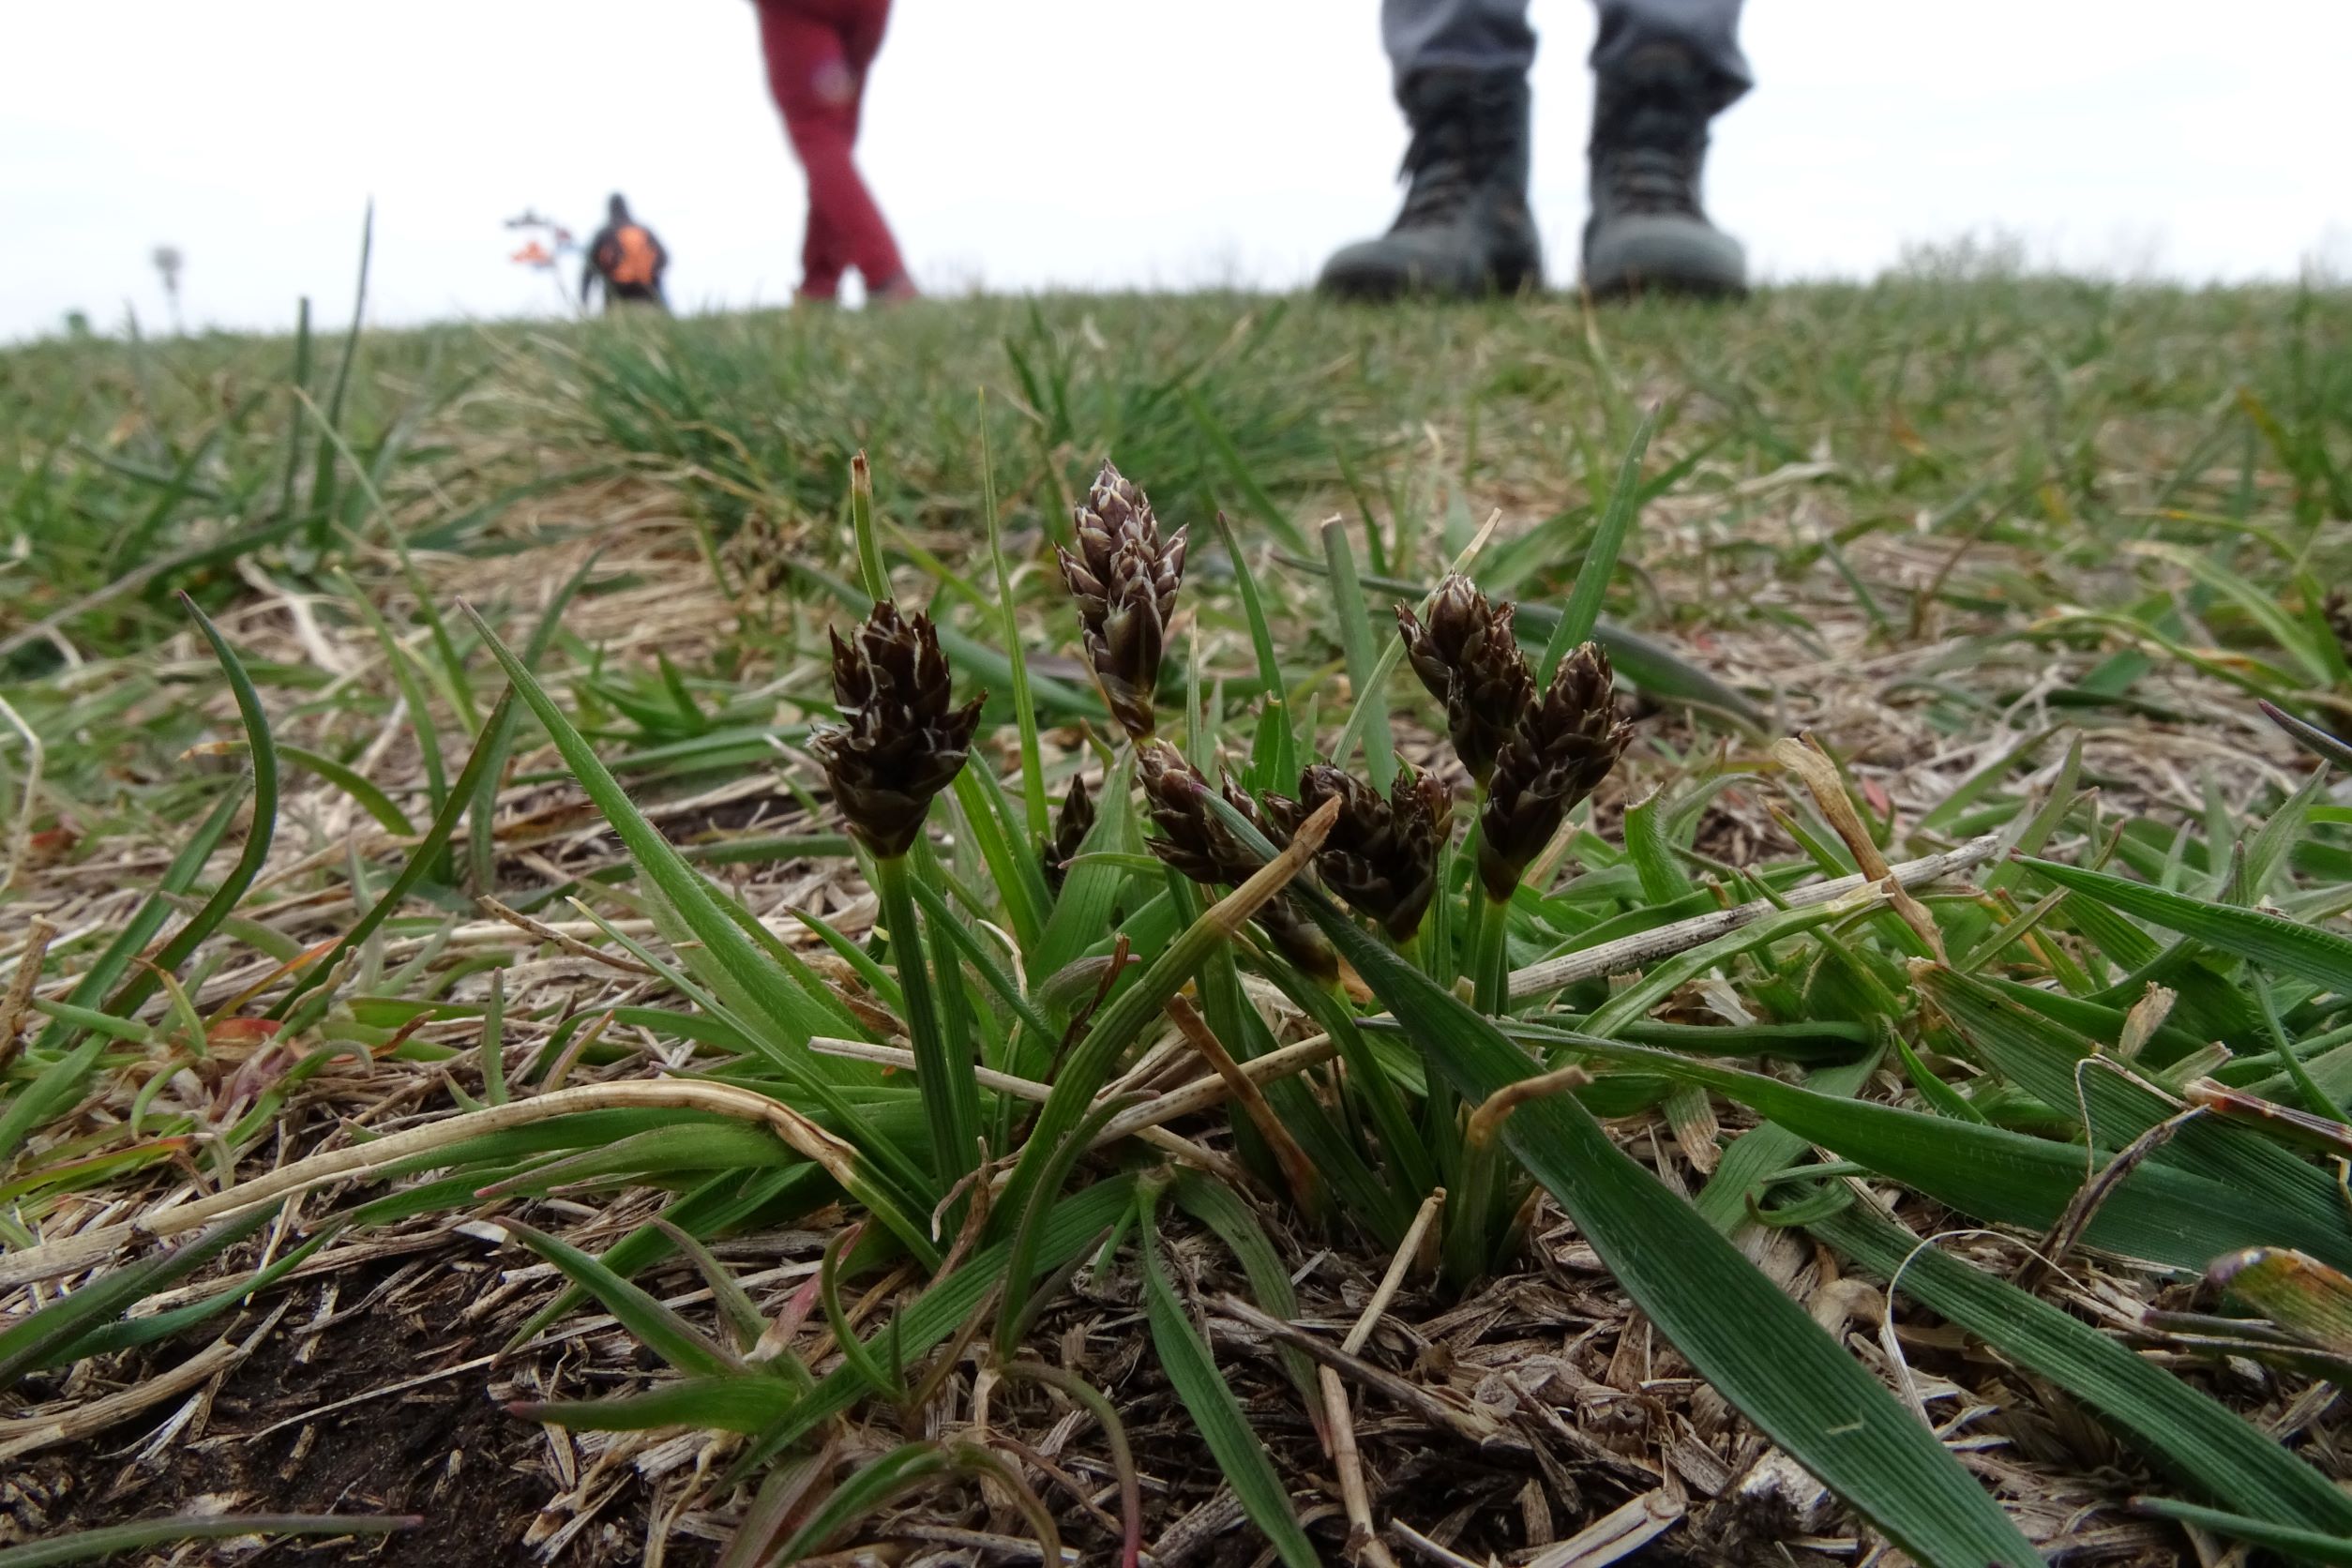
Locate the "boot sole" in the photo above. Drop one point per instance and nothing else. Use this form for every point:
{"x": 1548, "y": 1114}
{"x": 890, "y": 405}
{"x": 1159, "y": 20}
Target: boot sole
{"x": 1665, "y": 286}
{"x": 1381, "y": 287}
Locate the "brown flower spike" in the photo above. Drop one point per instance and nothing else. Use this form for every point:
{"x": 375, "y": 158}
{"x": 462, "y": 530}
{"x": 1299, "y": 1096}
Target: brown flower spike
{"x": 1559, "y": 753}
{"x": 1069, "y": 831}
{"x": 1125, "y": 577}
{"x": 1199, "y": 844}
{"x": 898, "y": 742}
{"x": 1382, "y": 856}
{"x": 1469, "y": 657}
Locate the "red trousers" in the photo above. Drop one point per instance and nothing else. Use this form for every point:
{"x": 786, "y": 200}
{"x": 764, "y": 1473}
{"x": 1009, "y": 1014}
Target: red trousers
{"x": 816, "y": 54}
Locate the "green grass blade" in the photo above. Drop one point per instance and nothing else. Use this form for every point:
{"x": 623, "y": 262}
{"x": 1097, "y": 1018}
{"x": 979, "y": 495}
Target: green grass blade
{"x": 1015, "y": 1311}
{"x": 943, "y": 1067}
{"x": 482, "y": 826}
{"x": 2160, "y": 1212}
{"x": 1216, "y": 1414}
{"x": 412, "y": 686}
{"x": 30, "y": 1342}
{"x": 1220, "y": 1209}
{"x": 2048, "y": 1061}
{"x": 895, "y": 1474}
{"x": 362, "y": 789}
{"x": 1090, "y": 891}
{"x": 1583, "y": 609}
{"x": 59, "y": 1084}
{"x": 1757, "y": 1347}
{"x": 1036, "y": 809}
{"x": 2194, "y": 1437}
{"x": 133, "y": 1332}
{"x": 253, "y": 856}
{"x": 1230, "y": 458}
{"x": 678, "y": 883}
{"x": 1081, "y": 1072}
{"x": 739, "y": 1402}
{"x": 1363, "y": 669}
{"x": 300, "y": 381}
{"x": 2309, "y": 1546}
{"x": 1009, "y": 850}
{"x": 871, "y": 573}
{"x": 420, "y": 862}
{"x": 89, "y": 1545}
{"x": 2300, "y": 1295}
{"x": 2288, "y": 946}
{"x": 2311, "y": 738}
{"x": 1073, "y": 1224}
{"x": 1768, "y": 1147}
{"x": 323, "y": 477}
{"x": 656, "y": 1326}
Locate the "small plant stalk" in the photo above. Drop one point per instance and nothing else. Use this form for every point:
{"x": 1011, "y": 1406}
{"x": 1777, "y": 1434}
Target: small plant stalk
{"x": 1489, "y": 956}
{"x": 1479, "y": 1174}
{"x": 951, "y": 1088}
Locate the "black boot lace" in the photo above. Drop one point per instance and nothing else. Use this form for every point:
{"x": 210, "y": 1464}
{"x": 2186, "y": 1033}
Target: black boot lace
{"x": 1647, "y": 157}
{"x": 1456, "y": 147}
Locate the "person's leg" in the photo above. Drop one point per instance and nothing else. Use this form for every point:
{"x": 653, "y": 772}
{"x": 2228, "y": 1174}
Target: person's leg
{"x": 818, "y": 90}
{"x": 1709, "y": 29}
{"x": 1661, "y": 69}
{"x": 1460, "y": 69}
{"x": 1457, "y": 34}
{"x": 863, "y": 24}
{"x": 822, "y": 260}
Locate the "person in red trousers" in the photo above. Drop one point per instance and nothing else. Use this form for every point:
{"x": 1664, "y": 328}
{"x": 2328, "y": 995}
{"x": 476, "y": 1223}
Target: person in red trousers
{"x": 817, "y": 52}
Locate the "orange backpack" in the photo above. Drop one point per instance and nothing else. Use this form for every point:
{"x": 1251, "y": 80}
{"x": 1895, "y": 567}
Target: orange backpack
{"x": 634, "y": 256}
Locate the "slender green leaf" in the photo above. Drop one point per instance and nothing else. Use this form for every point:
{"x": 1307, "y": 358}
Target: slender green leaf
{"x": 89, "y": 1545}
{"x": 1216, "y": 1414}
{"x": 2308, "y": 953}
{"x": 2196, "y": 1438}
{"x": 2309, "y": 1546}
{"x": 1583, "y": 609}
{"x": 420, "y": 861}
{"x": 658, "y": 1328}
{"x": 1758, "y": 1347}
{"x": 31, "y": 1341}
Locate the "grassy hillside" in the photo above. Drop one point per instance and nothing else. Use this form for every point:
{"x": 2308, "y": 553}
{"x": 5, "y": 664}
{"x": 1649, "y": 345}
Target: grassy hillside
{"x": 461, "y": 1069}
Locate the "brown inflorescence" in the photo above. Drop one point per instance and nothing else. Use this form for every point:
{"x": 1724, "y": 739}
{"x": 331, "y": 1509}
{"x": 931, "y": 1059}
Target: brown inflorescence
{"x": 1124, "y": 576}
{"x": 1468, "y": 655}
{"x": 1382, "y": 854}
{"x": 1562, "y": 748}
{"x": 1070, "y": 827}
{"x": 898, "y": 742}
{"x": 1203, "y": 848}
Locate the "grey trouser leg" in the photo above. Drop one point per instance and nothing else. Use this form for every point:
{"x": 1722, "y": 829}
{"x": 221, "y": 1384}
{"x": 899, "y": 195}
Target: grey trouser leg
{"x": 1457, "y": 34}
{"x": 1494, "y": 34}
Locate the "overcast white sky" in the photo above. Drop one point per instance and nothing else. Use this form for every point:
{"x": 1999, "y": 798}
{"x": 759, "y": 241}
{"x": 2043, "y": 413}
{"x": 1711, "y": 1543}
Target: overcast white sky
{"x": 1026, "y": 143}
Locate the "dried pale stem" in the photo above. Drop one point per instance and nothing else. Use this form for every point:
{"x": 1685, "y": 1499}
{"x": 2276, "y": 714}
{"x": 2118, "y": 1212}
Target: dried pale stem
{"x": 368, "y": 1159}
{"x": 19, "y": 1002}
{"x": 1363, "y": 1542}
{"x": 1145, "y": 1120}
{"x": 1485, "y": 1123}
{"x": 1297, "y": 1170}
{"x": 1808, "y": 760}
{"x": 1647, "y": 947}
{"x": 533, "y": 926}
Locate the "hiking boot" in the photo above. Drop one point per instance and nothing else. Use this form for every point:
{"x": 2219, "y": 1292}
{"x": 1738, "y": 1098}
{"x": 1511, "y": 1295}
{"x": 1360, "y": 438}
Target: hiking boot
{"x": 1465, "y": 228}
{"x": 1649, "y": 142}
